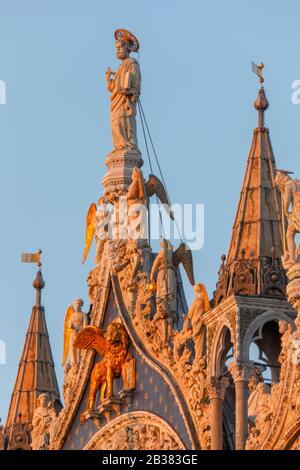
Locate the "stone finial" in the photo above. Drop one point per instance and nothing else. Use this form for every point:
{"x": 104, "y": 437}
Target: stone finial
{"x": 38, "y": 284}
{"x": 261, "y": 104}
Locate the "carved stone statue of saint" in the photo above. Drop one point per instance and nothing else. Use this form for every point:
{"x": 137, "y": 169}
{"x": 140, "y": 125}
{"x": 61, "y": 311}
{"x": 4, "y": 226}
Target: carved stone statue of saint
{"x": 199, "y": 306}
{"x": 125, "y": 88}
{"x": 41, "y": 423}
{"x": 166, "y": 287}
{"x": 75, "y": 321}
{"x": 290, "y": 192}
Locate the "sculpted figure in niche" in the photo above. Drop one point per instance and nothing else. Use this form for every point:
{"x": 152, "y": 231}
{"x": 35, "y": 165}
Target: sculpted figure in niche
{"x": 41, "y": 423}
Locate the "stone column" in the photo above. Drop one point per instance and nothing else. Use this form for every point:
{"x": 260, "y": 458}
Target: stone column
{"x": 240, "y": 372}
{"x": 217, "y": 391}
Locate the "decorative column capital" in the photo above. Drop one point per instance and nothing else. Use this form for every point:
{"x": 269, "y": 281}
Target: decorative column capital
{"x": 217, "y": 387}
{"x": 293, "y": 290}
{"x": 241, "y": 371}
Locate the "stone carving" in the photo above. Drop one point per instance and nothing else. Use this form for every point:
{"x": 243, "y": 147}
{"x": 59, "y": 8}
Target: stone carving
{"x": 166, "y": 279}
{"x": 243, "y": 275}
{"x": 241, "y": 372}
{"x": 195, "y": 380}
{"x": 43, "y": 422}
{"x": 285, "y": 329}
{"x": 125, "y": 88}
{"x": 130, "y": 265}
{"x": 129, "y": 268}
{"x": 165, "y": 265}
{"x": 205, "y": 426}
{"x": 258, "y": 390}
{"x": 274, "y": 277}
{"x": 182, "y": 353}
{"x": 199, "y": 306}
{"x": 138, "y": 195}
{"x": 290, "y": 192}
{"x": 142, "y": 312}
{"x": 93, "y": 282}
{"x": 114, "y": 348}
{"x": 260, "y": 423}
{"x": 19, "y": 435}
{"x": 75, "y": 321}
{"x": 70, "y": 375}
{"x": 150, "y": 437}
{"x": 136, "y": 431}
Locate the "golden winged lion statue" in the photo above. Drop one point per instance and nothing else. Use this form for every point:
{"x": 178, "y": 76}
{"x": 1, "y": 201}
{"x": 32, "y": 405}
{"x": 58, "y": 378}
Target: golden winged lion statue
{"x": 113, "y": 346}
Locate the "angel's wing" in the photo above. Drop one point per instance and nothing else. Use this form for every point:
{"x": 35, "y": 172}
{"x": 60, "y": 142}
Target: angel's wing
{"x": 67, "y": 332}
{"x": 183, "y": 255}
{"x": 89, "y": 230}
{"x": 155, "y": 186}
{"x": 91, "y": 338}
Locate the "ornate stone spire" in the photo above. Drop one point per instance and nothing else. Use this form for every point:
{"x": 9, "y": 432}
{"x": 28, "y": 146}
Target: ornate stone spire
{"x": 253, "y": 265}
{"x": 35, "y": 375}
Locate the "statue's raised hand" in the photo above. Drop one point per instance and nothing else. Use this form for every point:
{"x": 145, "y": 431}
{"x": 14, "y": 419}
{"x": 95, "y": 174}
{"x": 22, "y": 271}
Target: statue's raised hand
{"x": 108, "y": 73}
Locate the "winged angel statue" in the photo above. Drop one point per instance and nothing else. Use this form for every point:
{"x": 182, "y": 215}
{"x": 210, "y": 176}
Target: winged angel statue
{"x": 113, "y": 347}
{"x": 75, "y": 321}
{"x": 165, "y": 265}
{"x": 136, "y": 199}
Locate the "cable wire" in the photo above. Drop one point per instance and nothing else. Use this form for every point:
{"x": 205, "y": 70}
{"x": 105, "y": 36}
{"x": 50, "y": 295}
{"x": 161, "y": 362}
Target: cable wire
{"x": 151, "y": 169}
{"x": 142, "y": 114}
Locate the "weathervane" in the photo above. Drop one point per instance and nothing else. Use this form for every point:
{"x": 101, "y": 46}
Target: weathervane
{"x": 32, "y": 258}
{"x": 38, "y": 283}
{"x": 258, "y": 70}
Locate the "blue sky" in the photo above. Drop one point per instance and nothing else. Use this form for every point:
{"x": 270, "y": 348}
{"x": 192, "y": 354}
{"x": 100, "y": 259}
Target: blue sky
{"x": 198, "y": 93}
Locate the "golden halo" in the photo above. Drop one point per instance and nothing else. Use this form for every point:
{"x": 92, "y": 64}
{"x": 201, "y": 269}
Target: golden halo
{"x": 124, "y": 35}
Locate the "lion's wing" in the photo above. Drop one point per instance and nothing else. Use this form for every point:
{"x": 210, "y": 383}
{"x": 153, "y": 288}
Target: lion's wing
{"x": 91, "y": 338}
